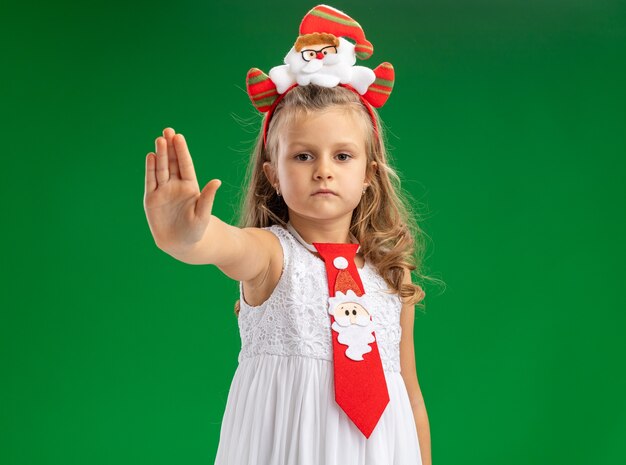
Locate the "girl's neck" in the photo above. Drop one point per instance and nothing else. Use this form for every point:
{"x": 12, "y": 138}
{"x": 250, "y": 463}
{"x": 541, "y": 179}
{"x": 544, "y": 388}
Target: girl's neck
{"x": 310, "y": 232}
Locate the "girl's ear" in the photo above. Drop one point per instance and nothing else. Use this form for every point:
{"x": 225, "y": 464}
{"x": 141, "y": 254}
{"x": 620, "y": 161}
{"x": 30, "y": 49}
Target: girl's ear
{"x": 371, "y": 172}
{"x": 270, "y": 173}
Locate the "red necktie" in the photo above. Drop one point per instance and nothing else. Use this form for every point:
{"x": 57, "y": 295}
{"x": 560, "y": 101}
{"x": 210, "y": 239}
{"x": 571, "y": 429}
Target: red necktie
{"x": 360, "y": 386}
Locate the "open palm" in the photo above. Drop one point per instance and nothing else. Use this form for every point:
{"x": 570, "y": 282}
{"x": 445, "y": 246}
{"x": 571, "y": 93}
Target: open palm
{"x": 178, "y": 212}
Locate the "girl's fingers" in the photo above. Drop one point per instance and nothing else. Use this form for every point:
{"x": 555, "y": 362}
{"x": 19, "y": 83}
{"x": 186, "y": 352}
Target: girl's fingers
{"x": 162, "y": 170}
{"x": 187, "y": 172}
{"x": 169, "y": 133}
{"x": 204, "y": 205}
{"x": 151, "y": 182}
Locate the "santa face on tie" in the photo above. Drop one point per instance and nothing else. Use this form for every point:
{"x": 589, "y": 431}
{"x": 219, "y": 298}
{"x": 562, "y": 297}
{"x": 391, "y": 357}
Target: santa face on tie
{"x": 352, "y": 323}
{"x": 350, "y": 313}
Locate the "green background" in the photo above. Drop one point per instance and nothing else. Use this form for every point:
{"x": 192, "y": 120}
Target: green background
{"x": 507, "y": 124}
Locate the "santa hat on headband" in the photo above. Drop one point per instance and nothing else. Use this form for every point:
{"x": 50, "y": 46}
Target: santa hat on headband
{"x": 324, "y": 18}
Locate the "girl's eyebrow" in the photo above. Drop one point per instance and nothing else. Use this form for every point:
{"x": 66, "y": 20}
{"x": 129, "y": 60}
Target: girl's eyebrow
{"x": 298, "y": 144}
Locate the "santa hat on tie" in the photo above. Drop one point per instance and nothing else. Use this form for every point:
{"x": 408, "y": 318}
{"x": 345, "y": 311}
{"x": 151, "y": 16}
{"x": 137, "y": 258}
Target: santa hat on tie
{"x": 343, "y": 274}
{"x": 344, "y": 281}
{"x": 326, "y": 19}
{"x": 346, "y": 287}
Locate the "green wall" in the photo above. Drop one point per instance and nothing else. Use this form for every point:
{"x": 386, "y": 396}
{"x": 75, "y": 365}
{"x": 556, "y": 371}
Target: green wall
{"x": 507, "y": 124}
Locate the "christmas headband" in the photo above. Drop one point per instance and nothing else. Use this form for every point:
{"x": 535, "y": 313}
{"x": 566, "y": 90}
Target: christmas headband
{"x": 322, "y": 56}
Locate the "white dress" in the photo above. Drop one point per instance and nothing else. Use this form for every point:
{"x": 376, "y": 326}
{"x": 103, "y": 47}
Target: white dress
{"x": 281, "y": 407}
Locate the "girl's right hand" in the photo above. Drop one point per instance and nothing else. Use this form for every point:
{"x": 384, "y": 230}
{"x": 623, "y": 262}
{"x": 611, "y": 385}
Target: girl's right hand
{"x": 178, "y": 213}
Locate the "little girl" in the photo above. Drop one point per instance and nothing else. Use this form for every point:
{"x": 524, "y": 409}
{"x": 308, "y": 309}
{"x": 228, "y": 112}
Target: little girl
{"x": 323, "y": 257}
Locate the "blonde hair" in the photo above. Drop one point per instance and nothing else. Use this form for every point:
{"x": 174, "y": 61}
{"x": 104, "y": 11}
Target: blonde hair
{"x": 390, "y": 238}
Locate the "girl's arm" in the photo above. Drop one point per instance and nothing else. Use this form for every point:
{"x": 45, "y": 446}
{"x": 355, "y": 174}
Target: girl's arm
{"x": 180, "y": 218}
{"x": 243, "y": 254}
{"x": 409, "y": 374}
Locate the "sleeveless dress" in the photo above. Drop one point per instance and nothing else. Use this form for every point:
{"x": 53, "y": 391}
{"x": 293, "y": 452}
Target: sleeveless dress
{"x": 281, "y": 407}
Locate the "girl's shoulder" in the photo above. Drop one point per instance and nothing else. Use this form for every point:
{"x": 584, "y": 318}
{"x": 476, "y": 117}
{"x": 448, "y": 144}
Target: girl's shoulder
{"x": 269, "y": 235}
{"x": 275, "y": 240}
{"x": 272, "y": 239}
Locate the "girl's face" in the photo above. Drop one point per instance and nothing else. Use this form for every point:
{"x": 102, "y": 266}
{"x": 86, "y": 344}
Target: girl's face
{"x": 322, "y": 150}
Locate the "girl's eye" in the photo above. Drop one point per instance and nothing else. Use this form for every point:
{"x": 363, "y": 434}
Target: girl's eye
{"x": 341, "y": 156}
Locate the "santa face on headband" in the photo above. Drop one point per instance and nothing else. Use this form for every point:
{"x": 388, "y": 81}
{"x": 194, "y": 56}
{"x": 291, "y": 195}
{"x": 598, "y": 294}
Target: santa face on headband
{"x": 324, "y": 60}
{"x": 317, "y": 51}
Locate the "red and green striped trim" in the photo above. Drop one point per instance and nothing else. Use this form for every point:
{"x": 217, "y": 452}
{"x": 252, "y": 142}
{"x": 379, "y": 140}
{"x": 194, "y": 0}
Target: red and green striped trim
{"x": 261, "y": 89}
{"x": 334, "y": 15}
{"x": 380, "y": 90}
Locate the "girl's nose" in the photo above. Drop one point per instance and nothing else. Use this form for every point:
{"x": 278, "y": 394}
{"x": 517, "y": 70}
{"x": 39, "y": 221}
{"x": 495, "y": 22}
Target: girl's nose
{"x": 319, "y": 55}
{"x": 323, "y": 174}
{"x": 323, "y": 170}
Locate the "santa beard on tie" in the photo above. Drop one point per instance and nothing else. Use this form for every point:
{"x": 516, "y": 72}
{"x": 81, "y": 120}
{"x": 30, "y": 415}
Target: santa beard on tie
{"x": 357, "y": 336}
